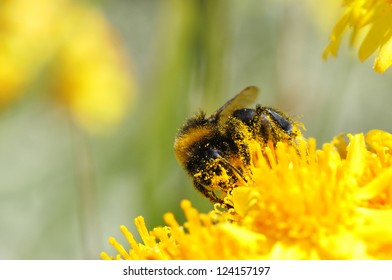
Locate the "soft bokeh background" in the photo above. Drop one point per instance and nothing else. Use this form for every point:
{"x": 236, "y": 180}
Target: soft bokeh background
{"x": 69, "y": 177}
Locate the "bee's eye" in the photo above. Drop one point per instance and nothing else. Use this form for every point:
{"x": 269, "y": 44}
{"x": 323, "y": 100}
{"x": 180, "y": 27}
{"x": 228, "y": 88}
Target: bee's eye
{"x": 245, "y": 115}
{"x": 282, "y": 121}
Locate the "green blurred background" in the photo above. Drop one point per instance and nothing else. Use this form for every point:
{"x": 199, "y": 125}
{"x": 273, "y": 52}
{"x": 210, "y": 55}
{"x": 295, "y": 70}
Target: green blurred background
{"x": 63, "y": 191}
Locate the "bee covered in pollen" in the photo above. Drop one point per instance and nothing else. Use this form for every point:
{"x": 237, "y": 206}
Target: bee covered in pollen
{"x": 217, "y": 151}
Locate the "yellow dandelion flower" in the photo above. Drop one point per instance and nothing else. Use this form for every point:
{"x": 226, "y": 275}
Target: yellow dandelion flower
{"x": 371, "y": 18}
{"x": 305, "y": 203}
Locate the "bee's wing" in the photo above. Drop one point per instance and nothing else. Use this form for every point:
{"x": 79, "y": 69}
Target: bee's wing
{"x": 246, "y": 97}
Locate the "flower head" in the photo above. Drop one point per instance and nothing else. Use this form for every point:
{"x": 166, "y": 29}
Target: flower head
{"x": 374, "y": 19}
{"x": 305, "y": 203}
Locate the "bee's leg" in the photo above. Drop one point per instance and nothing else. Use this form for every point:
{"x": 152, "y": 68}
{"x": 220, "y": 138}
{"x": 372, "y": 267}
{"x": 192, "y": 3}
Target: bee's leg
{"x": 241, "y": 134}
{"x": 228, "y": 164}
{"x": 208, "y": 194}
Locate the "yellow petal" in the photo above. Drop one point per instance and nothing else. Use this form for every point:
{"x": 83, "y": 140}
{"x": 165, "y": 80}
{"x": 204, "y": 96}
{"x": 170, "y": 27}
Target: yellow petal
{"x": 242, "y": 199}
{"x": 384, "y": 57}
{"x": 336, "y": 36}
{"x": 356, "y": 152}
{"x": 375, "y": 37}
{"x": 376, "y": 186}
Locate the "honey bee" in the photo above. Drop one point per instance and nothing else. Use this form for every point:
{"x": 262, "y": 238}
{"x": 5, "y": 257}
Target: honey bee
{"x": 216, "y": 150}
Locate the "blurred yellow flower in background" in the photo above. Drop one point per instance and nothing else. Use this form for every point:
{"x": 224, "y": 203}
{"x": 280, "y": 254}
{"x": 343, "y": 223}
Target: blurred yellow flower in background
{"x": 89, "y": 73}
{"x": 370, "y": 20}
{"x": 306, "y": 203}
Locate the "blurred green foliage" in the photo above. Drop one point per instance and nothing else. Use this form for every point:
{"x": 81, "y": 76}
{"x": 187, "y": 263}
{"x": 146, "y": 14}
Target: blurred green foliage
{"x": 186, "y": 55}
